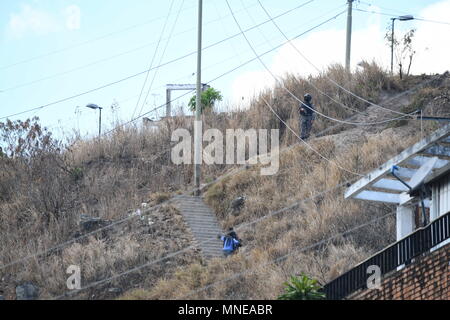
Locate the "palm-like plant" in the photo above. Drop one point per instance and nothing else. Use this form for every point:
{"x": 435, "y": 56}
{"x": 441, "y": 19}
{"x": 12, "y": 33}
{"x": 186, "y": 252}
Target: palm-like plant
{"x": 208, "y": 99}
{"x": 302, "y": 288}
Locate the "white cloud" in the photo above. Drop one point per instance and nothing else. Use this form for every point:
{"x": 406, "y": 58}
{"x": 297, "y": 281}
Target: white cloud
{"x": 434, "y": 49}
{"x": 38, "y": 22}
{"x": 249, "y": 84}
{"x": 326, "y": 47}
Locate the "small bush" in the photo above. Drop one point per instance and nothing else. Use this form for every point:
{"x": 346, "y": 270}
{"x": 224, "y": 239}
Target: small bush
{"x": 159, "y": 197}
{"x": 302, "y": 288}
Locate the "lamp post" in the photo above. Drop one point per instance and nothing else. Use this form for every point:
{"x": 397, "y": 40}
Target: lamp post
{"x": 400, "y": 18}
{"x": 95, "y": 107}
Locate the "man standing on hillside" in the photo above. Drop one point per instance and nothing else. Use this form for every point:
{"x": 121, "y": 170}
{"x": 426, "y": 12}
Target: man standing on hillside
{"x": 307, "y": 116}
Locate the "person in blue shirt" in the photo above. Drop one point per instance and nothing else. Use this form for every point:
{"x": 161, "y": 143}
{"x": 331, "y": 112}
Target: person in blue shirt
{"x": 230, "y": 244}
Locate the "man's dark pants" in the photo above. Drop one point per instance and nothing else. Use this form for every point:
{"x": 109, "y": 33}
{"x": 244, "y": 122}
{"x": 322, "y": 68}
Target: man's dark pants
{"x": 306, "y": 126}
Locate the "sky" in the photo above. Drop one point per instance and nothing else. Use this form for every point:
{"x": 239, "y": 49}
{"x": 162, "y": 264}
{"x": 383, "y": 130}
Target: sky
{"x": 55, "y": 50}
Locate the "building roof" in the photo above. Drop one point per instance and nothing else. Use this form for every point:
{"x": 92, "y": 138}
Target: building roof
{"x": 380, "y": 185}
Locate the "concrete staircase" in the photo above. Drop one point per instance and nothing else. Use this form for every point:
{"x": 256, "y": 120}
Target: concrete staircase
{"x": 203, "y": 224}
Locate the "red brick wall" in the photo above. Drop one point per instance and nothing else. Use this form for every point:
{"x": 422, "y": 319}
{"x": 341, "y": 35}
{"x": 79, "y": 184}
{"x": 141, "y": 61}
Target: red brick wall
{"x": 427, "y": 278}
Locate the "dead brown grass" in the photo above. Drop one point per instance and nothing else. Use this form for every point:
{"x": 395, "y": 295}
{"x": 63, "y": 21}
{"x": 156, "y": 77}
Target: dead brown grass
{"x": 43, "y": 196}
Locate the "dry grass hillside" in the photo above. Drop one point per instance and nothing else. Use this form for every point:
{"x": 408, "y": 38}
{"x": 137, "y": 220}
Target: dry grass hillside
{"x": 53, "y": 193}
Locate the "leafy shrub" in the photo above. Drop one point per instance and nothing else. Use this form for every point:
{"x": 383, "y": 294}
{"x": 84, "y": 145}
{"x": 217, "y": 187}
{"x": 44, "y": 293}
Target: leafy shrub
{"x": 302, "y": 288}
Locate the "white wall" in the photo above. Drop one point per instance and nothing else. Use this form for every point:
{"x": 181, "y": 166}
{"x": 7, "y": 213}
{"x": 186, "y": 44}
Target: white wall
{"x": 441, "y": 198}
{"x": 405, "y": 221}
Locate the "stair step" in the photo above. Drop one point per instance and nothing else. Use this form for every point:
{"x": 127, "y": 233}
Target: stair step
{"x": 200, "y": 225}
{"x": 203, "y": 224}
{"x": 196, "y": 211}
{"x": 208, "y": 233}
{"x": 199, "y": 216}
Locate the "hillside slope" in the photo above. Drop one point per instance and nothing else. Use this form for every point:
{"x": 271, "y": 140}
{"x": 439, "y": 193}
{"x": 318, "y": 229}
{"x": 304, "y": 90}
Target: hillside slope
{"x": 282, "y": 244}
{"x": 55, "y": 199}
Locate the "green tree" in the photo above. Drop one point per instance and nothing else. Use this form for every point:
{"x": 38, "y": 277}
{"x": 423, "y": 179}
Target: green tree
{"x": 209, "y": 98}
{"x": 302, "y": 288}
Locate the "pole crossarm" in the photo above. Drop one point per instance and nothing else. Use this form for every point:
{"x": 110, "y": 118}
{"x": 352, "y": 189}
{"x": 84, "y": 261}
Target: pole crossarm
{"x": 185, "y": 86}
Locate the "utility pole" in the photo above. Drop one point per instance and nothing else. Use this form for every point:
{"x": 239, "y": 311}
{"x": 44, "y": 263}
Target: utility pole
{"x": 392, "y": 47}
{"x": 349, "y": 35}
{"x": 198, "y": 131}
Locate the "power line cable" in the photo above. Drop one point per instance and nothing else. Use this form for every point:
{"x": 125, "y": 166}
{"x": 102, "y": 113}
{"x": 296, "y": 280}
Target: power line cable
{"x": 140, "y": 73}
{"x": 86, "y": 42}
{"x": 394, "y": 15}
{"x": 292, "y": 252}
{"x": 254, "y": 21}
{"x": 153, "y": 57}
{"x": 225, "y": 29}
{"x": 307, "y": 144}
{"x": 231, "y": 70}
{"x": 416, "y": 87}
{"x": 162, "y": 56}
{"x": 166, "y": 150}
{"x": 402, "y": 12}
{"x": 293, "y": 95}
{"x": 326, "y": 76}
{"x": 292, "y": 206}
{"x": 25, "y": 84}
{"x": 174, "y": 60}
{"x": 234, "y": 56}
{"x": 175, "y": 253}
{"x": 76, "y": 239}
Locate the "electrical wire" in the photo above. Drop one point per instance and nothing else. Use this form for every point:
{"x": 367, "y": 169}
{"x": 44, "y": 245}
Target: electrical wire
{"x": 235, "y": 56}
{"x": 292, "y": 252}
{"x": 25, "y": 84}
{"x": 150, "y": 208}
{"x": 162, "y": 56}
{"x": 395, "y": 16}
{"x": 326, "y": 76}
{"x": 253, "y": 21}
{"x": 307, "y": 144}
{"x": 86, "y": 42}
{"x": 292, "y": 206}
{"x": 175, "y": 60}
{"x": 175, "y": 253}
{"x": 153, "y": 57}
{"x": 74, "y": 240}
{"x": 401, "y": 94}
{"x": 231, "y": 70}
{"x": 294, "y": 96}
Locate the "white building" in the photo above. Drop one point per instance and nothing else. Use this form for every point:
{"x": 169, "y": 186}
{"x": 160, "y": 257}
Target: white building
{"x": 423, "y": 174}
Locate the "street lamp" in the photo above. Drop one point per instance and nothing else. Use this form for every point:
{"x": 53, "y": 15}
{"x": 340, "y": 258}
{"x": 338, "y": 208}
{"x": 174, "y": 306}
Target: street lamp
{"x": 95, "y": 107}
{"x": 400, "y": 18}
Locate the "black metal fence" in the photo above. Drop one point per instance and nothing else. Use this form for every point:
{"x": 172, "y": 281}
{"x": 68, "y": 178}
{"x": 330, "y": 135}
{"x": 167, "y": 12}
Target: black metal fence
{"x": 399, "y": 253}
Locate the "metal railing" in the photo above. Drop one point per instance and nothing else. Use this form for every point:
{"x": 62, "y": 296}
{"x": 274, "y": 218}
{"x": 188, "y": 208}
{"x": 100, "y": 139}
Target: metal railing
{"x": 398, "y": 254}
